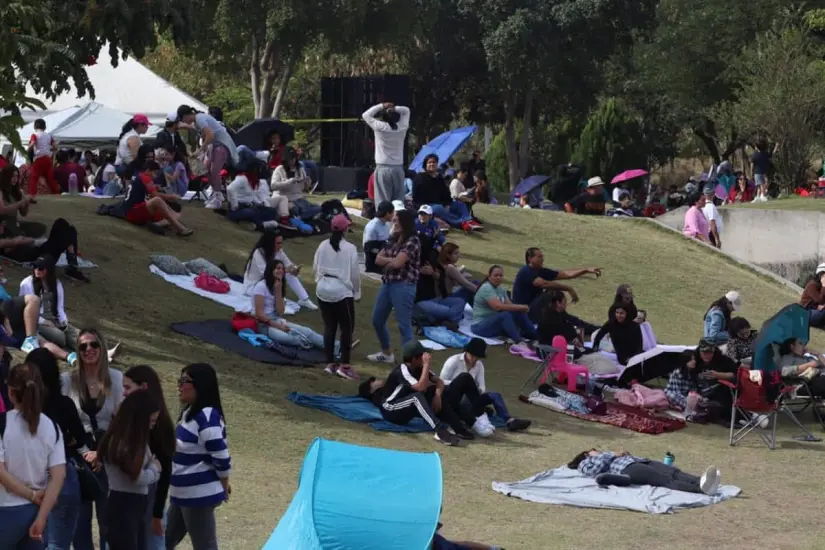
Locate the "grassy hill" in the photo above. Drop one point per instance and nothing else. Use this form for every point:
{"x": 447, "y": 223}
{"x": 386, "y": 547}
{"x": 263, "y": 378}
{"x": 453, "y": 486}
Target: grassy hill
{"x": 673, "y": 279}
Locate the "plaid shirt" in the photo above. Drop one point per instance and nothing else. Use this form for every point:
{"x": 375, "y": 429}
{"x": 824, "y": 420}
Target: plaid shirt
{"x": 739, "y": 349}
{"x": 679, "y": 386}
{"x": 606, "y": 463}
{"x": 408, "y": 273}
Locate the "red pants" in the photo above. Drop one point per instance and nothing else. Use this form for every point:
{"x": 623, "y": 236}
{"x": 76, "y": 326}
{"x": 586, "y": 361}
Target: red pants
{"x": 42, "y": 167}
{"x": 139, "y": 215}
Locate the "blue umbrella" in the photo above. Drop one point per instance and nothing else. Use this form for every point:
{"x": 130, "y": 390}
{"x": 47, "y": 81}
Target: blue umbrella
{"x": 791, "y": 321}
{"x": 443, "y": 146}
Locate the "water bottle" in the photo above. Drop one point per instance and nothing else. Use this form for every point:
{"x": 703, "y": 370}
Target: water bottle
{"x": 73, "y": 184}
{"x": 669, "y": 458}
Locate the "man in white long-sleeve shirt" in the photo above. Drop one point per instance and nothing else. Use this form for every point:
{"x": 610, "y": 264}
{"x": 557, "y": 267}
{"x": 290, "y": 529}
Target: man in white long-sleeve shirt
{"x": 376, "y": 234}
{"x": 469, "y": 364}
{"x": 390, "y": 124}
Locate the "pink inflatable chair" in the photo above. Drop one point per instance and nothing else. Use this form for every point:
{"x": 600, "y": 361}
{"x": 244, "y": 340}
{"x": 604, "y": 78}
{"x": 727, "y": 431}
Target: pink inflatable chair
{"x": 563, "y": 369}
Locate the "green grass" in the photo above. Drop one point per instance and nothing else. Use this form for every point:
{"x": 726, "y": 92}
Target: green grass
{"x": 788, "y": 203}
{"x": 673, "y": 279}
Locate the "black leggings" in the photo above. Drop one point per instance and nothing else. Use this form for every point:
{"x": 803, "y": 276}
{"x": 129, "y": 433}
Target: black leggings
{"x": 463, "y": 386}
{"x": 337, "y": 314}
{"x": 403, "y": 409}
{"x": 62, "y": 236}
{"x": 659, "y": 474}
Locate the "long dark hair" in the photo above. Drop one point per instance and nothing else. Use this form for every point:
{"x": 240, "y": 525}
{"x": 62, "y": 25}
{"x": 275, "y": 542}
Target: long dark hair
{"x": 11, "y": 192}
{"x": 391, "y": 117}
{"x": 266, "y": 244}
{"x": 126, "y": 128}
{"x": 628, "y": 307}
{"x": 406, "y": 220}
{"x": 723, "y": 304}
{"x": 125, "y": 442}
{"x": 43, "y": 360}
{"x": 335, "y": 240}
{"x": 26, "y": 387}
{"x": 51, "y": 283}
{"x": 208, "y": 394}
{"x": 164, "y": 433}
{"x": 287, "y": 157}
{"x": 684, "y": 358}
{"x": 785, "y": 347}
{"x": 269, "y": 276}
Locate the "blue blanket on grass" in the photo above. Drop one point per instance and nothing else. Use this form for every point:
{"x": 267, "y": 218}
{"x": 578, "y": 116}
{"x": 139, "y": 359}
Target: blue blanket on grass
{"x": 357, "y": 409}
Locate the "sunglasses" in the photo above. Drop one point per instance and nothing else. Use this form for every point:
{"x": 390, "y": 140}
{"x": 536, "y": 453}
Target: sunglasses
{"x": 88, "y": 345}
{"x": 185, "y": 380}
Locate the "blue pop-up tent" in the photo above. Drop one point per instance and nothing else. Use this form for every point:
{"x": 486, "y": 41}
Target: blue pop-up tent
{"x": 361, "y": 497}
{"x": 443, "y": 146}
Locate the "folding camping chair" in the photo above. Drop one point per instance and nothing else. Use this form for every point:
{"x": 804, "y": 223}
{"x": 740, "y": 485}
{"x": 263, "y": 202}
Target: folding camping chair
{"x": 750, "y": 400}
{"x": 542, "y": 372}
{"x": 799, "y": 401}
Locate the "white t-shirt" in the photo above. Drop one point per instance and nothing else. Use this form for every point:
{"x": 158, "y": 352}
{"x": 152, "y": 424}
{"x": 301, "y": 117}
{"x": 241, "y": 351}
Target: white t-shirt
{"x": 456, "y": 188}
{"x": 42, "y": 144}
{"x": 29, "y": 457}
{"x": 456, "y": 365}
{"x": 124, "y": 154}
{"x": 712, "y": 213}
{"x": 259, "y": 289}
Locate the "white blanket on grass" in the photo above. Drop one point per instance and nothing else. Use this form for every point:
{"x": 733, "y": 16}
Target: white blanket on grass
{"x": 235, "y": 298}
{"x": 464, "y": 327}
{"x": 571, "y": 488}
{"x": 187, "y": 197}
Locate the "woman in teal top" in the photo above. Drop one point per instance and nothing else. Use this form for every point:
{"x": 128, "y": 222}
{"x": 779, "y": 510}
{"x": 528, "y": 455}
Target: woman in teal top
{"x": 495, "y": 315}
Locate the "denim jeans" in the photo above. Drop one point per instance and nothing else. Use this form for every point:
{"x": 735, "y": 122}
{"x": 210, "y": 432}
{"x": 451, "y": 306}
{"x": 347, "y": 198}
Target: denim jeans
{"x": 398, "y": 296}
{"x": 498, "y": 404}
{"x": 452, "y": 215}
{"x": 256, "y": 214}
{"x": 304, "y": 209}
{"x": 298, "y": 336}
{"x": 60, "y": 527}
{"x": 83, "y": 539}
{"x": 817, "y": 318}
{"x": 464, "y": 294}
{"x": 513, "y": 325}
{"x": 438, "y": 310}
{"x": 14, "y": 528}
{"x": 153, "y": 541}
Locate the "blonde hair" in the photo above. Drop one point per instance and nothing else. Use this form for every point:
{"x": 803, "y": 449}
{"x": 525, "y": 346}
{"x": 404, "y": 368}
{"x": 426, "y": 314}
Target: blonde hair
{"x": 79, "y": 385}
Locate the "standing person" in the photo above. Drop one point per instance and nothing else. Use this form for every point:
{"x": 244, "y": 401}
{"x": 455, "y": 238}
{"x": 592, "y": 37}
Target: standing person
{"x": 712, "y": 216}
{"x": 130, "y": 468}
{"x": 401, "y": 261}
{"x": 60, "y": 409}
{"x": 761, "y": 160}
{"x": 216, "y": 144}
{"x": 54, "y": 324}
{"x": 696, "y": 224}
{"x": 390, "y": 124}
{"x": 170, "y": 140}
{"x": 32, "y": 463}
{"x": 376, "y": 234}
{"x": 162, "y": 447}
{"x": 42, "y": 147}
{"x": 271, "y": 247}
{"x": 128, "y": 145}
{"x": 338, "y": 287}
{"x": 96, "y": 391}
{"x": 202, "y": 464}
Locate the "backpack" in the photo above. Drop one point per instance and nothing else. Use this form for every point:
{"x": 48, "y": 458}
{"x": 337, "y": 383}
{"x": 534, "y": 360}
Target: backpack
{"x": 57, "y": 429}
{"x": 210, "y": 283}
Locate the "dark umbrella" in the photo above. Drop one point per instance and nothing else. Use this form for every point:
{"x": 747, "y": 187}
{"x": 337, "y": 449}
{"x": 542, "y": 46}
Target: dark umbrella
{"x": 790, "y": 322}
{"x": 255, "y": 134}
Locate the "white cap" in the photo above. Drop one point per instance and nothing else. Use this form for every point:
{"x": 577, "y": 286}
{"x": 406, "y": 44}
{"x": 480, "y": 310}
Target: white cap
{"x": 735, "y": 300}
{"x": 820, "y": 268}
{"x": 172, "y": 117}
{"x": 398, "y": 205}
{"x": 426, "y": 209}
{"x": 594, "y": 182}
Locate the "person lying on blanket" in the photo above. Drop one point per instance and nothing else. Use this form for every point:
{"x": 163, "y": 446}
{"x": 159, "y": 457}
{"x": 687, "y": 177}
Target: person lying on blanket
{"x": 625, "y": 334}
{"x": 694, "y": 386}
{"x": 144, "y": 204}
{"x": 623, "y": 469}
{"x": 412, "y": 390}
{"x": 468, "y": 364}
{"x": 266, "y": 306}
{"x": 54, "y": 324}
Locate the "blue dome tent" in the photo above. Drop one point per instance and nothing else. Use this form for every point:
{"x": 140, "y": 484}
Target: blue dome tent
{"x": 361, "y": 497}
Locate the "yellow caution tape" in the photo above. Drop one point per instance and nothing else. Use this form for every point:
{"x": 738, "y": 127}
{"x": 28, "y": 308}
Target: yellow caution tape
{"x": 318, "y": 120}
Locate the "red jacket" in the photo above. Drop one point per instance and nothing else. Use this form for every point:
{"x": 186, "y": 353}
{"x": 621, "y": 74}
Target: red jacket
{"x": 744, "y": 196}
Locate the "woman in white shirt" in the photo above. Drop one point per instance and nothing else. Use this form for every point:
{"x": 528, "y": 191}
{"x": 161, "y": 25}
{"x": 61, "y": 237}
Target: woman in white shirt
{"x": 129, "y": 143}
{"x": 54, "y": 324}
{"x": 289, "y": 183}
{"x": 248, "y": 197}
{"x": 390, "y": 124}
{"x": 32, "y": 462}
{"x": 271, "y": 247}
{"x": 267, "y": 308}
{"x": 338, "y": 286}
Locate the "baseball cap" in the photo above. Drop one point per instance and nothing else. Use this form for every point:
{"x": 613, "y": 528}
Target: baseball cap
{"x": 426, "y": 209}
{"x": 706, "y": 345}
{"x": 140, "y": 119}
{"x": 413, "y": 348}
{"x": 172, "y": 117}
{"x": 384, "y": 208}
{"x": 820, "y": 268}
{"x": 735, "y": 299}
{"x": 340, "y": 222}
{"x": 398, "y": 205}
{"x": 43, "y": 262}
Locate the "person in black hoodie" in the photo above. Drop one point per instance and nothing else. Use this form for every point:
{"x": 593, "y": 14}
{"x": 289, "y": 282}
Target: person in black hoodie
{"x": 625, "y": 334}
{"x": 553, "y": 319}
{"x": 431, "y": 189}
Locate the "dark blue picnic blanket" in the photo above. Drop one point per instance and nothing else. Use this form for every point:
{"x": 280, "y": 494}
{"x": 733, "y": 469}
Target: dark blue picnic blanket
{"x": 358, "y": 409}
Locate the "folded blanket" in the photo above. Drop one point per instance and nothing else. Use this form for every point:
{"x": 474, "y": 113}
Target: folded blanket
{"x": 446, "y": 337}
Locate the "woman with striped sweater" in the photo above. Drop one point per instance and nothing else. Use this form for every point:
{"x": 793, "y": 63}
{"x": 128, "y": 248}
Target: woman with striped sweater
{"x": 201, "y": 465}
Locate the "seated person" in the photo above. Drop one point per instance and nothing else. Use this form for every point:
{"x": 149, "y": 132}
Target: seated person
{"x": 427, "y": 228}
{"x": 267, "y": 308}
{"x": 433, "y": 304}
{"x": 717, "y": 317}
{"x": 430, "y": 190}
{"x": 174, "y": 171}
{"x": 248, "y": 197}
{"x": 623, "y": 469}
{"x": 65, "y": 169}
{"x": 271, "y": 247}
{"x": 481, "y": 191}
{"x": 19, "y": 320}
{"x": 376, "y": 234}
{"x": 742, "y": 338}
{"x": 144, "y": 204}
{"x": 591, "y": 202}
{"x": 813, "y": 297}
{"x": 456, "y": 283}
{"x": 495, "y": 315}
{"x": 553, "y": 320}
{"x": 796, "y": 362}
{"x": 413, "y": 390}
{"x": 276, "y": 150}
{"x": 289, "y": 185}
{"x": 53, "y": 324}
{"x": 18, "y": 247}
{"x": 625, "y": 334}
{"x": 625, "y": 207}
{"x": 469, "y": 364}
{"x": 698, "y": 375}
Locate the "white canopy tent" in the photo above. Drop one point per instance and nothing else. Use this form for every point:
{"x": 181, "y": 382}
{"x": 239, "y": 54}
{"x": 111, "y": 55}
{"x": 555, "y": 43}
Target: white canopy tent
{"x": 130, "y": 88}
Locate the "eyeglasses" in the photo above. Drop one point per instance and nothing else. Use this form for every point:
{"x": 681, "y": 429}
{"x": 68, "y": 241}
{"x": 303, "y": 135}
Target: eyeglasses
{"x": 185, "y": 380}
{"x": 89, "y": 345}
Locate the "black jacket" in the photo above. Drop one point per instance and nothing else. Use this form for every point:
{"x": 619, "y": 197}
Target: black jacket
{"x": 430, "y": 190}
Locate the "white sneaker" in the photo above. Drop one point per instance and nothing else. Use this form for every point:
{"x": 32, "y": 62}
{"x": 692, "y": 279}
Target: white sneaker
{"x": 757, "y": 199}
{"x": 764, "y": 198}
{"x": 307, "y": 304}
{"x": 30, "y": 344}
{"x": 483, "y": 427}
{"x": 709, "y": 483}
{"x": 270, "y": 224}
{"x": 215, "y": 201}
{"x": 764, "y": 421}
{"x": 381, "y": 357}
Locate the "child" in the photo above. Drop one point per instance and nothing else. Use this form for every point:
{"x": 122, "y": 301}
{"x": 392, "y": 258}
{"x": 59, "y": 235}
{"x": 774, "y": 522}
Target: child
{"x": 174, "y": 172}
{"x": 427, "y": 228}
{"x": 41, "y": 147}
